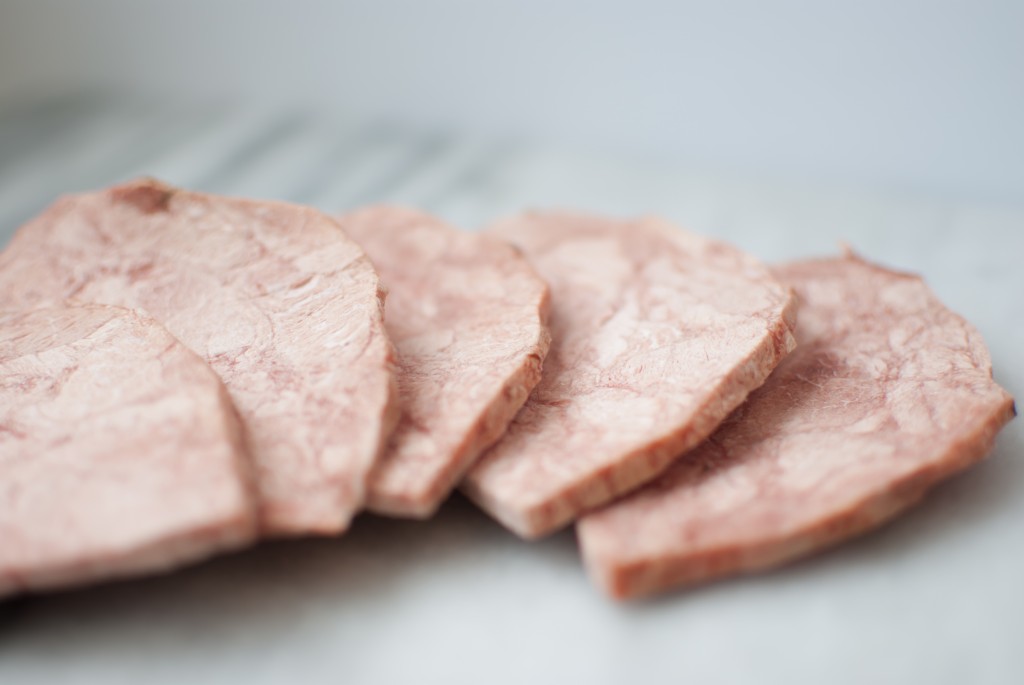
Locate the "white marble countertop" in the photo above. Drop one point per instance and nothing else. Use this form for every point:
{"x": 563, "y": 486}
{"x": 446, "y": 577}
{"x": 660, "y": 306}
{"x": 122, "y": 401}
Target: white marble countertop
{"x": 935, "y": 597}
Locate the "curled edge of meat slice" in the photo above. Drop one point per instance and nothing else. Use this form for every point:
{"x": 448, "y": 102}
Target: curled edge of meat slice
{"x": 450, "y": 293}
{"x": 611, "y": 545}
{"x": 196, "y": 496}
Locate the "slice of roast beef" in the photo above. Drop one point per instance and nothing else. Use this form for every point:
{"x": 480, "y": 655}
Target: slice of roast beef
{"x": 120, "y": 451}
{"x": 888, "y": 393}
{"x": 283, "y": 306}
{"x": 658, "y": 334}
{"x": 468, "y": 316}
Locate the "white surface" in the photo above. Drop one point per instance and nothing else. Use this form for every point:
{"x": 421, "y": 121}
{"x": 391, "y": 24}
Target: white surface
{"x": 922, "y": 93}
{"x": 936, "y": 597}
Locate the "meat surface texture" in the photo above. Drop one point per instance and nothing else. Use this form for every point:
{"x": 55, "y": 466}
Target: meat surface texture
{"x": 468, "y": 317}
{"x": 888, "y": 393}
{"x": 120, "y": 451}
{"x": 657, "y": 335}
{"x": 281, "y": 304}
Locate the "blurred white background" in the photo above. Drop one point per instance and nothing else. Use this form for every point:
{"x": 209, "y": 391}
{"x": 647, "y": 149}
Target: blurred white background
{"x": 921, "y": 95}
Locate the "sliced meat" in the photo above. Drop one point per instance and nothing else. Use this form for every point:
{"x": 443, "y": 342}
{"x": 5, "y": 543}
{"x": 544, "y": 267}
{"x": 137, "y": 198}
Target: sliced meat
{"x": 120, "y": 452}
{"x": 888, "y": 393}
{"x": 468, "y": 316}
{"x": 658, "y": 335}
{"x": 284, "y": 307}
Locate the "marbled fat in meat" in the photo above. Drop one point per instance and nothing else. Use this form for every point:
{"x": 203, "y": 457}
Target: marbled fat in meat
{"x": 657, "y": 335}
{"x": 888, "y": 393}
{"x": 281, "y": 304}
{"x": 120, "y": 451}
{"x": 468, "y": 316}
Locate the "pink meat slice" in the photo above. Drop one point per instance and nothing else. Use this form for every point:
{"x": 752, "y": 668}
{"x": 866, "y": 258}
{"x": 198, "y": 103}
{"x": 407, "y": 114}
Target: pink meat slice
{"x": 468, "y": 316}
{"x": 888, "y": 393}
{"x": 281, "y": 304}
{"x": 657, "y": 335}
{"x": 120, "y": 451}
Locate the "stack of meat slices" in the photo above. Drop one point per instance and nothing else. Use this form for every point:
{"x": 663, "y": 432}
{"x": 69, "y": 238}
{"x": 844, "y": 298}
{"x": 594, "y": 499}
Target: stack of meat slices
{"x": 182, "y": 374}
{"x": 280, "y": 304}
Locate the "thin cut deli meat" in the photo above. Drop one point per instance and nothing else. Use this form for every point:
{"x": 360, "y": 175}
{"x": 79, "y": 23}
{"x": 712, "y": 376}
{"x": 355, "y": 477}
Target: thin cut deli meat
{"x": 657, "y": 335}
{"x": 887, "y": 394}
{"x": 120, "y": 451}
{"x": 467, "y": 315}
{"x": 281, "y": 304}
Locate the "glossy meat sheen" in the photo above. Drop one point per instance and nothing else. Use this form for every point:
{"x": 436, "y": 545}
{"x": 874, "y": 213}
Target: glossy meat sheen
{"x": 120, "y": 452}
{"x": 888, "y": 393}
{"x": 284, "y": 307}
{"x": 657, "y": 335}
{"x": 468, "y": 316}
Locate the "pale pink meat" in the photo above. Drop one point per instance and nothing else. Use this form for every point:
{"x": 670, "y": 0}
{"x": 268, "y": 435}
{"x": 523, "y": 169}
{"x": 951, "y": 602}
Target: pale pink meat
{"x": 468, "y": 316}
{"x": 281, "y": 304}
{"x": 888, "y": 393}
{"x": 120, "y": 451}
{"x": 657, "y": 335}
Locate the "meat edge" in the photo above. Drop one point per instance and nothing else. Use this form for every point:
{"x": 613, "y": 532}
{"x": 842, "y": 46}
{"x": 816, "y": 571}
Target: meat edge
{"x": 170, "y": 551}
{"x": 390, "y": 414}
{"x": 544, "y": 518}
{"x": 488, "y": 427}
{"x": 161, "y": 555}
{"x": 646, "y": 576}
{"x": 149, "y": 194}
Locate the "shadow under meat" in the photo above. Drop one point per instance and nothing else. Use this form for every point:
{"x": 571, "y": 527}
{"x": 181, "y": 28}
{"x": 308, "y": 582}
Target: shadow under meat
{"x": 277, "y": 580}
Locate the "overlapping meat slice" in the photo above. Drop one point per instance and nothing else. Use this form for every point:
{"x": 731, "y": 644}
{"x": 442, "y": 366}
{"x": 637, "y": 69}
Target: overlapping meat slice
{"x": 658, "y": 334}
{"x": 285, "y": 308}
{"x": 468, "y": 316}
{"x": 888, "y": 393}
{"x": 120, "y": 452}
